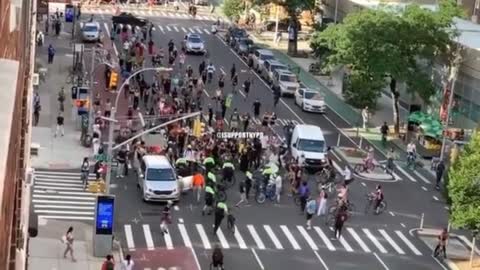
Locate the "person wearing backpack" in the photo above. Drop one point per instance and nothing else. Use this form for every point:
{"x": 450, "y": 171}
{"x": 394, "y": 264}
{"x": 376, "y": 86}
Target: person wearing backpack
{"x": 109, "y": 263}
{"x": 310, "y": 210}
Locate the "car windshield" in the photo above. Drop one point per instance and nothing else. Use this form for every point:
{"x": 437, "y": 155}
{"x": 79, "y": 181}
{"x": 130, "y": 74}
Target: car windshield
{"x": 266, "y": 57}
{"x": 194, "y": 40}
{"x": 288, "y": 78}
{"x": 90, "y": 28}
{"x": 310, "y": 145}
{"x": 246, "y": 42}
{"x": 313, "y": 96}
{"x": 279, "y": 67}
{"x": 160, "y": 175}
{"x": 240, "y": 33}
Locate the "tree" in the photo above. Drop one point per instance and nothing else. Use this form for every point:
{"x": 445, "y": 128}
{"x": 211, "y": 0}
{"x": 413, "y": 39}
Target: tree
{"x": 233, "y": 8}
{"x": 464, "y": 187}
{"x": 354, "y": 92}
{"x": 293, "y": 8}
{"x": 397, "y": 48}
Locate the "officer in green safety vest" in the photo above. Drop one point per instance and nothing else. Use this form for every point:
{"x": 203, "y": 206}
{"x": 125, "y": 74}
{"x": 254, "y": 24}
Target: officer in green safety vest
{"x": 209, "y": 197}
{"x": 211, "y": 179}
{"x": 209, "y": 163}
{"x": 182, "y": 167}
{"x": 220, "y": 212}
{"x": 228, "y": 170}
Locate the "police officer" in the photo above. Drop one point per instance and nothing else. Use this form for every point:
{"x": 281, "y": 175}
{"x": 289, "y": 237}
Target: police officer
{"x": 209, "y": 163}
{"x": 220, "y": 212}
{"x": 209, "y": 197}
{"x": 211, "y": 179}
{"x": 228, "y": 170}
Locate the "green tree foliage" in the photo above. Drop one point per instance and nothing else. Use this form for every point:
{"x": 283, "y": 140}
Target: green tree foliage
{"x": 233, "y": 8}
{"x": 386, "y": 45}
{"x": 464, "y": 187}
{"x": 355, "y": 90}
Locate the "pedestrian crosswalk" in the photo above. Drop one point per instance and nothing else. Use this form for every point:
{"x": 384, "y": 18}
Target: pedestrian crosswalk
{"x": 162, "y": 29}
{"x": 257, "y": 121}
{"x": 60, "y": 195}
{"x": 110, "y": 10}
{"x": 275, "y": 237}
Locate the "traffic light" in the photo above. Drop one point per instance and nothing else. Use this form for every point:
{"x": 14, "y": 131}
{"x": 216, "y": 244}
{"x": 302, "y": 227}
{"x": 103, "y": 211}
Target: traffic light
{"x": 198, "y": 128}
{"x": 82, "y": 103}
{"x": 113, "y": 80}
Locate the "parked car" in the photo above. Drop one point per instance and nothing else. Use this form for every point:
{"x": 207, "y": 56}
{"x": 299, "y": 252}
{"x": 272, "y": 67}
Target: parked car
{"x": 269, "y": 66}
{"x": 286, "y": 80}
{"x": 195, "y": 44}
{"x": 91, "y": 32}
{"x": 310, "y": 100}
{"x": 130, "y": 19}
{"x": 242, "y": 46}
{"x": 234, "y": 34}
{"x": 259, "y": 56}
{"x": 282, "y": 25}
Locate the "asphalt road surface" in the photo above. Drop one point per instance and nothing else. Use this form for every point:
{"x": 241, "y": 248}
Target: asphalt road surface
{"x": 273, "y": 235}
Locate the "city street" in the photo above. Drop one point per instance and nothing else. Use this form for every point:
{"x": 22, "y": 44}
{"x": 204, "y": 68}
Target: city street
{"x": 273, "y": 235}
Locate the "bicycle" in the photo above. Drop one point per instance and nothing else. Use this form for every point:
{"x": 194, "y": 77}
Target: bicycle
{"x": 364, "y": 167}
{"x": 265, "y": 193}
{"x": 381, "y": 208}
{"x": 411, "y": 161}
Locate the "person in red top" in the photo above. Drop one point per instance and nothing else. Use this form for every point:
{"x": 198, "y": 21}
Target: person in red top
{"x": 109, "y": 263}
{"x": 198, "y": 183}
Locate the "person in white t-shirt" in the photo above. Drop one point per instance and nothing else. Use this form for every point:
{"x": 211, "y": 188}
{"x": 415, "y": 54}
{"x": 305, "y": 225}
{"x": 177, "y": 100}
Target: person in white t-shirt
{"x": 128, "y": 263}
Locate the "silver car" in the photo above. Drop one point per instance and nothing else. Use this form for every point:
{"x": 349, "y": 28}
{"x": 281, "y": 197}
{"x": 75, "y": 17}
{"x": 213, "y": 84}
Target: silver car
{"x": 195, "y": 44}
{"x": 269, "y": 66}
{"x": 91, "y": 32}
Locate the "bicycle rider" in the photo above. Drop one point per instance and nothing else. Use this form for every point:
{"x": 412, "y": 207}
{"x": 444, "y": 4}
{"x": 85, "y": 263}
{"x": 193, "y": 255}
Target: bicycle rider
{"x": 377, "y": 196}
{"x": 411, "y": 151}
{"x": 217, "y": 257}
{"x": 347, "y": 175}
{"x": 342, "y": 195}
{"x": 85, "y": 171}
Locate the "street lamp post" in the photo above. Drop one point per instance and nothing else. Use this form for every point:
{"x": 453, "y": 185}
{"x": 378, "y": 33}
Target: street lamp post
{"x": 112, "y": 124}
{"x": 336, "y": 12}
{"x": 91, "y": 113}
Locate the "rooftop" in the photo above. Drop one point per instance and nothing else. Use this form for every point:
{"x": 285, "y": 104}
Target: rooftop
{"x": 469, "y": 33}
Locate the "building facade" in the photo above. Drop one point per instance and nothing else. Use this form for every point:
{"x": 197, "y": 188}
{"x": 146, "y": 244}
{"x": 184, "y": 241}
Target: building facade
{"x": 17, "y": 29}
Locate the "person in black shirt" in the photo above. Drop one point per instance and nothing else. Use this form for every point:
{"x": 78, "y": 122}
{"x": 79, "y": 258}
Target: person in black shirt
{"x": 276, "y": 95}
{"x": 256, "y": 108}
{"x": 210, "y": 114}
{"x": 122, "y": 160}
{"x": 60, "y": 122}
{"x": 221, "y": 81}
{"x": 246, "y": 87}
{"x": 243, "y": 196}
{"x": 384, "y": 132}
{"x": 233, "y": 71}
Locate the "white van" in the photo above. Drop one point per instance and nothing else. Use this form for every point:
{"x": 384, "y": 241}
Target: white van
{"x": 157, "y": 179}
{"x": 308, "y": 145}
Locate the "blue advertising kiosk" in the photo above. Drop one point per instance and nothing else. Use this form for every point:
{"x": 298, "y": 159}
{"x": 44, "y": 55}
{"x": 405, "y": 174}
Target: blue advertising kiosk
{"x": 103, "y": 226}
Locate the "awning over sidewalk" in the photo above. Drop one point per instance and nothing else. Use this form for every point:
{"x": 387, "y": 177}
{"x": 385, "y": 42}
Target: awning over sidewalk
{"x": 430, "y": 125}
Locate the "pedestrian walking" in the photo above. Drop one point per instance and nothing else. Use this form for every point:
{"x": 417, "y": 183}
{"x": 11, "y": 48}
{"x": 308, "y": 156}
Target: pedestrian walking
{"x": 322, "y": 202}
{"x": 109, "y": 263}
{"x": 51, "y": 53}
{"x": 166, "y": 217}
{"x": 127, "y": 263}
{"x": 67, "y": 239}
{"x": 256, "y": 108}
{"x": 36, "y": 113}
{"x": 60, "y": 125}
{"x": 278, "y": 187}
{"x": 304, "y": 193}
{"x": 310, "y": 210}
{"x": 248, "y": 183}
{"x": 442, "y": 244}
{"x": 233, "y": 71}
{"x": 276, "y": 95}
{"x": 209, "y": 197}
{"x": 198, "y": 185}
{"x": 243, "y": 195}
{"x": 246, "y": 87}
{"x": 439, "y": 173}
{"x": 365, "y": 117}
{"x": 339, "y": 221}
{"x": 220, "y": 212}
{"x": 122, "y": 160}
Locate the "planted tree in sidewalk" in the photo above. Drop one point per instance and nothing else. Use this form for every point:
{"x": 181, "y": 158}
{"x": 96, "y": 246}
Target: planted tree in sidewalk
{"x": 293, "y": 9}
{"x": 390, "y": 46}
{"x": 354, "y": 93}
{"x": 233, "y": 8}
{"x": 464, "y": 187}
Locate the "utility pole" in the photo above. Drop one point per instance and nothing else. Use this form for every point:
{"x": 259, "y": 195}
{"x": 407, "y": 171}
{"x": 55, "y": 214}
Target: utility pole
{"x": 90, "y": 103}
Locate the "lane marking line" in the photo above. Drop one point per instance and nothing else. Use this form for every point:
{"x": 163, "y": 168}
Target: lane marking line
{"x": 374, "y": 241}
{"x": 391, "y": 213}
{"x": 443, "y": 266}
{"x": 403, "y": 225}
{"x": 422, "y": 177}
{"x": 256, "y": 237}
{"x": 424, "y": 188}
{"x": 345, "y": 244}
{"x": 321, "y": 260}
{"x": 241, "y": 242}
{"x": 167, "y": 238}
{"x": 223, "y": 240}
{"x": 435, "y": 198}
{"x": 203, "y": 236}
{"x": 184, "y": 234}
{"x": 406, "y": 174}
{"x": 129, "y": 237}
{"x": 408, "y": 243}
{"x": 391, "y": 242}
{"x": 148, "y": 237}
{"x": 307, "y": 237}
{"x": 257, "y": 258}
{"x": 324, "y": 238}
{"x": 290, "y": 237}
{"x": 381, "y": 262}
{"x": 359, "y": 240}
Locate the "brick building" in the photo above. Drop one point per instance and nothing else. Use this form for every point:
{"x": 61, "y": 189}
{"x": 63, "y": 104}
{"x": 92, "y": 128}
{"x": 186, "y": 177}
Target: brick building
{"x": 17, "y": 32}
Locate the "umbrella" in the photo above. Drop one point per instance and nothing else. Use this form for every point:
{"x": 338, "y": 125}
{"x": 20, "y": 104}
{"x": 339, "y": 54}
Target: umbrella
{"x": 418, "y": 117}
{"x": 434, "y": 131}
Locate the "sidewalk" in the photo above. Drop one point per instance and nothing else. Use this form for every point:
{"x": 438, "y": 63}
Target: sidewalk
{"x": 56, "y": 152}
{"x": 46, "y": 250}
{"x": 331, "y": 87}
{"x": 183, "y": 8}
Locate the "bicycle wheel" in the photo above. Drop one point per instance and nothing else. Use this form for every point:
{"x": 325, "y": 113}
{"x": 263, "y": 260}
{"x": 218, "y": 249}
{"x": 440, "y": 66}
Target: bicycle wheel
{"x": 221, "y": 196}
{"x": 382, "y": 207}
{"x": 359, "y": 168}
{"x": 260, "y": 198}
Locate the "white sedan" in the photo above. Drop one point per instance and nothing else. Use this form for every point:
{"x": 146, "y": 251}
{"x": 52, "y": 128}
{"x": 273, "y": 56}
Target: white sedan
{"x": 310, "y": 101}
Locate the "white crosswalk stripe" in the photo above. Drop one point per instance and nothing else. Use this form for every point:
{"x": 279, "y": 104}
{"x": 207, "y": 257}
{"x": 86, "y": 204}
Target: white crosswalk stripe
{"x": 191, "y": 30}
{"x": 176, "y": 28}
{"x": 269, "y": 237}
{"x": 161, "y": 28}
{"x": 168, "y": 28}
{"x": 184, "y": 30}
{"x": 61, "y": 195}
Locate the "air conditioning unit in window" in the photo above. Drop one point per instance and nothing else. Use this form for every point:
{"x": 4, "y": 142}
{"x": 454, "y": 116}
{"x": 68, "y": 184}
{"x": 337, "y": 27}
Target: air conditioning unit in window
{"x": 35, "y": 79}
